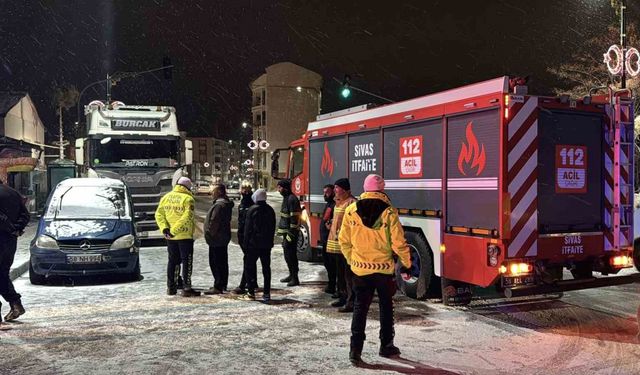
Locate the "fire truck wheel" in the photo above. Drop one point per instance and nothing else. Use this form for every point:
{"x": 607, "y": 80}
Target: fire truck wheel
{"x": 636, "y": 254}
{"x": 582, "y": 270}
{"x": 421, "y": 268}
{"x": 305, "y": 253}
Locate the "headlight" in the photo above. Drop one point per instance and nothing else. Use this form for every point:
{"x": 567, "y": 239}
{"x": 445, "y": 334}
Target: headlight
{"x": 123, "y": 242}
{"x": 45, "y": 242}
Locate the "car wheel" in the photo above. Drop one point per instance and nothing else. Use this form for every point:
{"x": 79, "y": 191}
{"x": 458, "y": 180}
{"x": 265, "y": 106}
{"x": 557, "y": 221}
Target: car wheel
{"x": 421, "y": 268}
{"x": 34, "y": 278}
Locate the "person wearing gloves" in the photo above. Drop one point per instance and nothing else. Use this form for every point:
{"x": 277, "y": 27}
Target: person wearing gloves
{"x": 343, "y": 198}
{"x": 259, "y": 229}
{"x": 371, "y": 234}
{"x": 176, "y": 219}
{"x": 217, "y": 233}
{"x": 245, "y": 203}
{"x": 288, "y": 228}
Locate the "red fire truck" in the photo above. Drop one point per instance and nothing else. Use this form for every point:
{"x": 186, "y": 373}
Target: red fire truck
{"x": 494, "y": 186}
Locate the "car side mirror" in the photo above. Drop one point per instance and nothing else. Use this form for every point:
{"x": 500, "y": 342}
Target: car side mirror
{"x": 139, "y": 216}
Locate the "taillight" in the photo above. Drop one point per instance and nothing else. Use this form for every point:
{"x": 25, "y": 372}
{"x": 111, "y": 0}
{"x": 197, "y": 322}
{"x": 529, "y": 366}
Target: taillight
{"x": 516, "y": 268}
{"x": 621, "y": 261}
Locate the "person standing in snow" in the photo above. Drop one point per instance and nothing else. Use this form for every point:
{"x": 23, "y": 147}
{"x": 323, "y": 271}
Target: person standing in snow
{"x": 288, "y": 228}
{"x": 343, "y": 199}
{"x": 14, "y": 217}
{"x": 325, "y": 227}
{"x": 217, "y": 233}
{"x": 371, "y": 233}
{"x": 245, "y": 203}
{"x": 259, "y": 230}
{"x": 175, "y": 217}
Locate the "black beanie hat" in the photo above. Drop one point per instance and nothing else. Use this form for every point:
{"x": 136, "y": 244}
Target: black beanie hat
{"x": 343, "y": 183}
{"x": 285, "y": 183}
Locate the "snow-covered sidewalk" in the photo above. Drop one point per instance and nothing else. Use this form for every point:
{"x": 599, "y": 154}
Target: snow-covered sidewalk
{"x": 21, "y": 261}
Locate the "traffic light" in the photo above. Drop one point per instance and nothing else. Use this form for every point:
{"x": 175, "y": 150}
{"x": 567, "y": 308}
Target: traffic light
{"x": 346, "y": 90}
{"x": 166, "y": 61}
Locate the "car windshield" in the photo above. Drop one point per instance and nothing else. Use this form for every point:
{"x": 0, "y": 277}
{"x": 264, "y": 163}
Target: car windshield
{"x": 88, "y": 202}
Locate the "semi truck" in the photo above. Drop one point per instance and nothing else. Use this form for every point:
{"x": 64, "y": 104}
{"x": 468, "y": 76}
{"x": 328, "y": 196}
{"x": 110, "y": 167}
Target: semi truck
{"x": 494, "y": 186}
{"x": 140, "y": 145}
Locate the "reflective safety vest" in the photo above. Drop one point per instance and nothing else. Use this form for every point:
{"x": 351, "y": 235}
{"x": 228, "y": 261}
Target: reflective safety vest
{"x": 176, "y": 212}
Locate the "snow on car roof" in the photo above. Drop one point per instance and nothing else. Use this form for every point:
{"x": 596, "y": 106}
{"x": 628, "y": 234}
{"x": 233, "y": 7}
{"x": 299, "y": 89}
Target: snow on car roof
{"x": 88, "y": 181}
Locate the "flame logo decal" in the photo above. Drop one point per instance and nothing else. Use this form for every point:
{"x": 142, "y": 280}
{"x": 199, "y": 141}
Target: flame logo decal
{"x": 472, "y": 154}
{"x": 327, "y": 162}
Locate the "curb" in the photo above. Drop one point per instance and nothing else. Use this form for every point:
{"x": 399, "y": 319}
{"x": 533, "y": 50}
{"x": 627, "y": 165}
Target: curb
{"x": 18, "y": 271}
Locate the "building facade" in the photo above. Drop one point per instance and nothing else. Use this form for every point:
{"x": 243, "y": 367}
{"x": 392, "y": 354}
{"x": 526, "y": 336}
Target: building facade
{"x": 22, "y": 163}
{"x": 214, "y": 160}
{"x": 284, "y": 100}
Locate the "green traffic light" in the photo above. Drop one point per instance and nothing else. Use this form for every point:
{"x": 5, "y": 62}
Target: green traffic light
{"x": 346, "y": 92}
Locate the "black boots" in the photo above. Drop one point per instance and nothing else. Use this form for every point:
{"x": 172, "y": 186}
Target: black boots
{"x": 294, "y": 281}
{"x": 355, "y": 356}
{"x": 190, "y": 293}
{"x": 286, "y": 279}
{"x": 389, "y": 350}
{"x": 15, "y": 312}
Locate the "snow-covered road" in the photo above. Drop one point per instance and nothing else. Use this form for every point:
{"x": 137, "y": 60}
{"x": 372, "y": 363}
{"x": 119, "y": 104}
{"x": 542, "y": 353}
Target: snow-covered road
{"x": 134, "y": 328}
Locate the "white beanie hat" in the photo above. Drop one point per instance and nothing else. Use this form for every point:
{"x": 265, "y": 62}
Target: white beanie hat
{"x": 259, "y": 195}
{"x": 185, "y": 181}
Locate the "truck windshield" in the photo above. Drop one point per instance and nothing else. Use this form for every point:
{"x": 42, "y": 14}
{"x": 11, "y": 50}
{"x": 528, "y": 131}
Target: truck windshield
{"x": 139, "y": 153}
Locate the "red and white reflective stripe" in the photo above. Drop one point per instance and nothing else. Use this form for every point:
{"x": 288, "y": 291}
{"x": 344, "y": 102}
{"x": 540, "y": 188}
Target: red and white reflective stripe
{"x": 608, "y": 195}
{"x": 522, "y": 178}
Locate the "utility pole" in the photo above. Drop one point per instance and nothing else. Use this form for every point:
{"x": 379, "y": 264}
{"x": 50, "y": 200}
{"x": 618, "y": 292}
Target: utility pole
{"x": 623, "y": 38}
{"x": 61, "y": 146}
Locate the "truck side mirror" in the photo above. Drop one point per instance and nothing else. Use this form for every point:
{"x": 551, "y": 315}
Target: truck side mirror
{"x": 188, "y": 152}
{"x": 80, "y": 151}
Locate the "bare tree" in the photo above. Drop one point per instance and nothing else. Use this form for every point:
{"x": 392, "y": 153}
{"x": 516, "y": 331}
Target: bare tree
{"x": 64, "y": 98}
{"x": 587, "y": 69}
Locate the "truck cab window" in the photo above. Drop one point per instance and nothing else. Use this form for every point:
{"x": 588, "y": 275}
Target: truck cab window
{"x": 297, "y": 161}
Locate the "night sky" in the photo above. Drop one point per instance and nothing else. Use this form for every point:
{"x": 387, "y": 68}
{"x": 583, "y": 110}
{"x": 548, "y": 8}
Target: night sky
{"x": 397, "y": 49}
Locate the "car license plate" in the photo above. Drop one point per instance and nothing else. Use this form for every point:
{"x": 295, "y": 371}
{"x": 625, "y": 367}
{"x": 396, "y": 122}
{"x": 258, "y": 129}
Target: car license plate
{"x": 85, "y": 258}
{"x": 143, "y": 234}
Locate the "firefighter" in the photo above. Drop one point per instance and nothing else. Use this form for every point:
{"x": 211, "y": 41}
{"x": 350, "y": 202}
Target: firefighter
{"x": 370, "y": 235}
{"x": 258, "y": 236}
{"x": 325, "y": 227}
{"x": 288, "y": 228}
{"x": 176, "y": 220}
{"x": 343, "y": 199}
{"x": 14, "y": 217}
{"x": 217, "y": 233}
{"x": 245, "y": 202}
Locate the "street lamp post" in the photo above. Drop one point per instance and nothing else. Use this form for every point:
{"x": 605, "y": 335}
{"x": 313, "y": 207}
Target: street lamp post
{"x": 623, "y": 39}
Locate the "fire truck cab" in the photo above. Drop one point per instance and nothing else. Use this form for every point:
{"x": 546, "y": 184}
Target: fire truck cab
{"x": 495, "y": 187}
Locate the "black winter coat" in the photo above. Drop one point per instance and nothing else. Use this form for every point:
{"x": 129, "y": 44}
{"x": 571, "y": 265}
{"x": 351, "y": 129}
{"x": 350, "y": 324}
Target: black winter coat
{"x": 14, "y": 216}
{"x": 217, "y": 225}
{"x": 327, "y": 216}
{"x": 260, "y": 226}
{"x": 244, "y": 206}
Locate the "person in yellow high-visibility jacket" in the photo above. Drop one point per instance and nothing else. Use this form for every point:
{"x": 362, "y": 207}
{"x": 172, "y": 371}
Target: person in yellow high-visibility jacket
{"x": 176, "y": 220}
{"x": 370, "y": 235}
